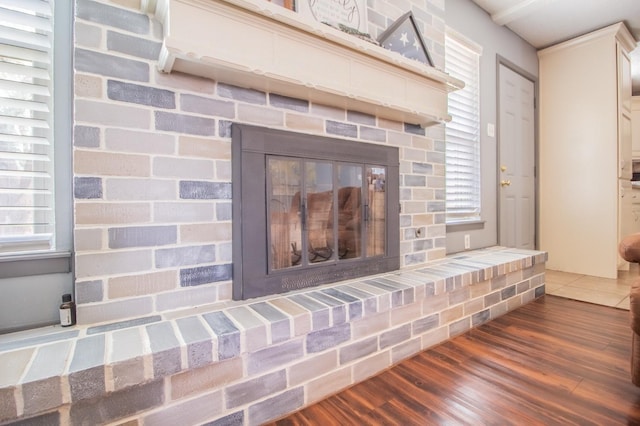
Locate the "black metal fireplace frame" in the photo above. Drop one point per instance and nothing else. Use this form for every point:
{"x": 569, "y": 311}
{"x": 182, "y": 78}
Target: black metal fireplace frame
{"x": 250, "y": 147}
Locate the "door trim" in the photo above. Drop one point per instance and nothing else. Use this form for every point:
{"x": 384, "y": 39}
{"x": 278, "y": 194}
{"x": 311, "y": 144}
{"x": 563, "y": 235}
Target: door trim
{"x": 500, "y": 60}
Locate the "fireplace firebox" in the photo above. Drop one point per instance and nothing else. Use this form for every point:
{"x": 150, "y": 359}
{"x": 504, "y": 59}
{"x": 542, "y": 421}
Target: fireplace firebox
{"x": 310, "y": 210}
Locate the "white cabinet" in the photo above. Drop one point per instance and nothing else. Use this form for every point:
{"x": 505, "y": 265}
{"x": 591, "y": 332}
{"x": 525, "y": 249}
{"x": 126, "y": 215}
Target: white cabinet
{"x": 585, "y": 151}
{"x": 635, "y": 126}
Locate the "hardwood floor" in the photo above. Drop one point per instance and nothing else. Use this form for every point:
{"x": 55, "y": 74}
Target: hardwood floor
{"x": 554, "y": 361}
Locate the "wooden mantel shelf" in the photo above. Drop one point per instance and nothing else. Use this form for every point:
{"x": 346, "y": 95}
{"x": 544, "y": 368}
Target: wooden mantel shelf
{"x": 260, "y": 45}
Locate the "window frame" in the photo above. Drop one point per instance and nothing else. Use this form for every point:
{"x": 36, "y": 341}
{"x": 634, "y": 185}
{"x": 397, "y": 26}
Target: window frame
{"x": 57, "y": 259}
{"x": 473, "y": 53}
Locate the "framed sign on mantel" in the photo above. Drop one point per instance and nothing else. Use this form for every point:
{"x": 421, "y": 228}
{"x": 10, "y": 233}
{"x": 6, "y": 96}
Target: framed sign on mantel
{"x": 351, "y": 13}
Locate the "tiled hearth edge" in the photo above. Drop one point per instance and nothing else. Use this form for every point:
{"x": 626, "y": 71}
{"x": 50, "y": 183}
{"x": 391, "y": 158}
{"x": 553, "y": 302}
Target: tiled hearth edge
{"x": 254, "y": 361}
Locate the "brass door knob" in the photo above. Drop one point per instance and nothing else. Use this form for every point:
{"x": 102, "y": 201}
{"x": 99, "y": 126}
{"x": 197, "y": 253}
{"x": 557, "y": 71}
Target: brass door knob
{"x": 505, "y": 183}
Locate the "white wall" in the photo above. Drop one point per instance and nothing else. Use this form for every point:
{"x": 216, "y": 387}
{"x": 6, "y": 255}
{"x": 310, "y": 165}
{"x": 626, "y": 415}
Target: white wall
{"x": 468, "y": 19}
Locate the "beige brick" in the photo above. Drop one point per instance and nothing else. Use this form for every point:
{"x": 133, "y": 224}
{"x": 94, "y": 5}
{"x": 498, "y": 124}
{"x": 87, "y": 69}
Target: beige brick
{"x": 138, "y": 285}
{"x": 88, "y": 239}
{"x": 370, "y": 325}
{"x": 117, "y": 189}
{"x": 260, "y": 115}
{"x": 143, "y": 142}
{"x": 87, "y": 111}
{"x": 405, "y": 314}
{"x": 205, "y": 148}
{"x": 205, "y": 232}
{"x": 514, "y": 302}
{"x": 439, "y": 170}
{"x": 328, "y": 385}
{"x": 183, "y": 212}
{"x": 189, "y": 412}
{"x": 112, "y": 213}
{"x": 406, "y": 350}
{"x": 480, "y": 289}
{"x": 421, "y": 142}
{"x": 97, "y": 163}
{"x": 409, "y": 207}
{"x": 371, "y": 366}
{"x": 473, "y": 306}
{"x": 301, "y": 317}
{"x": 182, "y": 168}
{"x": 329, "y": 112}
{"x": 422, "y": 219}
{"x": 185, "y": 82}
{"x": 422, "y": 194}
{"x": 399, "y": 139}
{"x": 436, "y": 132}
{"x": 390, "y": 124}
{"x": 112, "y": 263}
{"x": 131, "y": 4}
{"x": 435, "y": 254}
{"x": 206, "y": 378}
{"x": 87, "y": 86}
{"x": 435, "y": 337}
{"x": 514, "y": 277}
{"x": 304, "y": 122}
{"x": 413, "y": 154}
{"x": 312, "y": 367}
{"x": 452, "y": 314}
{"x": 114, "y": 311}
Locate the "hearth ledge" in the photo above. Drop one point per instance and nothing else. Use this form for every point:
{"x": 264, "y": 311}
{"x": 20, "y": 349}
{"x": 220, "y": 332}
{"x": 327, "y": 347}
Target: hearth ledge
{"x": 84, "y": 366}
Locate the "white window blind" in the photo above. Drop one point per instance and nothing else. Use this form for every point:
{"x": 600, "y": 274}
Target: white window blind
{"x": 26, "y": 148}
{"x": 462, "y": 59}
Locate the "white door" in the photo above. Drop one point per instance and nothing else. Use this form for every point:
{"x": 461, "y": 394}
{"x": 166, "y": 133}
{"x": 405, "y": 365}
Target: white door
{"x": 516, "y": 160}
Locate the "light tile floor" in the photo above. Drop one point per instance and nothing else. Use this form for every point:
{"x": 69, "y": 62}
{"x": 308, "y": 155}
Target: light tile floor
{"x": 601, "y": 291}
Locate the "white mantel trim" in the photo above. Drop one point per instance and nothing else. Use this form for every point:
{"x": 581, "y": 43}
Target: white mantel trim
{"x": 368, "y": 78}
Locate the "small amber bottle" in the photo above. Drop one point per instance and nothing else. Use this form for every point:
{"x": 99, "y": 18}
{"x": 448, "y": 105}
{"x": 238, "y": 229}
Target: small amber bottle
{"x": 67, "y": 311}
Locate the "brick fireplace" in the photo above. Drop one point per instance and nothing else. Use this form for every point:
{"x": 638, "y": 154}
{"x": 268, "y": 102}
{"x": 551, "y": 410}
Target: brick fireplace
{"x": 160, "y": 339}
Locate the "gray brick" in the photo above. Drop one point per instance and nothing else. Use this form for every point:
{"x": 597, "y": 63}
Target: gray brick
{"x": 49, "y": 419}
{"x": 110, "y": 66}
{"x": 183, "y": 256}
{"x": 87, "y": 187}
{"x": 280, "y": 326}
{"x": 342, "y": 129}
{"x": 196, "y": 190}
{"x": 126, "y": 344}
{"x": 257, "y": 388}
{"x": 274, "y": 356}
{"x": 436, "y": 157}
{"x": 459, "y": 327}
{"x": 318, "y": 341}
{"x": 87, "y": 384}
{"x": 425, "y": 324}
{"x": 206, "y": 106}
{"x": 414, "y": 129}
{"x": 117, "y": 405}
{"x": 358, "y": 350}
{"x": 89, "y": 291}
{"x": 224, "y": 128}
{"x": 134, "y": 46}
{"x": 395, "y": 336}
{"x": 277, "y": 406}
{"x": 112, "y": 16}
{"x": 227, "y": 333}
{"x": 38, "y": 340}
{"x": 420, "y": 245}
{"x": 480, "y": 317}
{"x": 422, "y": 168}
{"x": 241, "y": 94}
{"x": 523, "y": 286}
{"x": 362, "y": 118}
{"x": 286, "y": 102}
{"x": 165, "y": 348}
{"x": 123, "y": 324}
{"x": 41, "y": 395}
{"x": 436, "y": 206}
{"x": 50, "y": 361}
{"x": 185, "y": 124}
{"x": 143, "y": 95}
{"x": 85, "y": 136}
{"x": 508, "y": 292}
{"x": 205, "y": 274}
{"x": 372, "y": 134}
{"x": 234, "y": 419}
{"x": 142, "y": 236}
{"x": 8, "y": 409}
{"x": 414, "y": 180}
{"x": 89, "y": 353}
{"x": 539, "y": 291}
{"x": 198, "y": 340}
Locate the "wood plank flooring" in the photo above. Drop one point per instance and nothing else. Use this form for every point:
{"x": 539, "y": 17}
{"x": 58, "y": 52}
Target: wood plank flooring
{"x": 554, "y": 361}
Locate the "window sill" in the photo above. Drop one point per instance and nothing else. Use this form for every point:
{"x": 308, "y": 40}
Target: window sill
{"x": 467, "y": 225}
{"x": 23, "y": 265}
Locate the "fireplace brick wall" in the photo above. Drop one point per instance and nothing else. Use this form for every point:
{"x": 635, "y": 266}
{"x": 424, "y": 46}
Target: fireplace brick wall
{"x": 152, "y": 169}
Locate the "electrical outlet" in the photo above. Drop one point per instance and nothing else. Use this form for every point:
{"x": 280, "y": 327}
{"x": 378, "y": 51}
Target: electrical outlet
{"x": 467, "y": 241}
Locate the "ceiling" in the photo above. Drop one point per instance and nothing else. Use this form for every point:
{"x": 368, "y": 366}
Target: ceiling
{"x": 543, "y": 23}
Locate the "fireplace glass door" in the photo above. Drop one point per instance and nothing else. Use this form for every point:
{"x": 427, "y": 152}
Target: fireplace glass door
{"x": 324, "y": 211}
